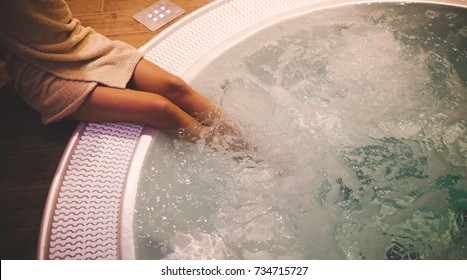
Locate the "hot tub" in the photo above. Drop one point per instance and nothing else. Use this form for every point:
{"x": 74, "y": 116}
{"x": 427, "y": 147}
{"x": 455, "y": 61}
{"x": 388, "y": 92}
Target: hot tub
{"x": 353, "y": 159}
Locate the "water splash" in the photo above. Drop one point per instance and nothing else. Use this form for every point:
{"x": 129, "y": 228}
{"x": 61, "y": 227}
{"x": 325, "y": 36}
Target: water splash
{"x": 358, "y": 119}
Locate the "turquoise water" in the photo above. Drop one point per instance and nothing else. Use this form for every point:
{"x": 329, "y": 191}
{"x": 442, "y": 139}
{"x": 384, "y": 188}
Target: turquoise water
{"x": 358, "y": 118}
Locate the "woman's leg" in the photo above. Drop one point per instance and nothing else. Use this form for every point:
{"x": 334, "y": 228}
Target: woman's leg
{"x": 151, "y": 78}
{"x": 106, "y": 104}
{"x": 160, "y": 100}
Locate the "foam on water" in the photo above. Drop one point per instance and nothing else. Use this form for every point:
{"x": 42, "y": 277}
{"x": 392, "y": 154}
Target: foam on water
{"x": 358, "y": 119}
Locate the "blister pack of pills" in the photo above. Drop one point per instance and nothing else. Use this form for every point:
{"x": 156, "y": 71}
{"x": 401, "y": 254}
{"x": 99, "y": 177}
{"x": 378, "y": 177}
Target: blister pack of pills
{"x": 159, "y": 14}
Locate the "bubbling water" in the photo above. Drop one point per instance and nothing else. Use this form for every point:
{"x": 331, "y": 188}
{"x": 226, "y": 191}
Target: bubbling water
{"x": 358, "y": 120}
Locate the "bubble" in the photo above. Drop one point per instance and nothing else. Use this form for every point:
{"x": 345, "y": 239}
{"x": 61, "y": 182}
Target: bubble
{"x": 451, "y": 15}
{"x": 360, "y": 151}
{"x": 431, "y": 14}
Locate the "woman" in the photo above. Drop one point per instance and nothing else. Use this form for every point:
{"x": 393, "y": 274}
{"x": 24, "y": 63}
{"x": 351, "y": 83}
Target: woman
{"x": 65, "y": 70}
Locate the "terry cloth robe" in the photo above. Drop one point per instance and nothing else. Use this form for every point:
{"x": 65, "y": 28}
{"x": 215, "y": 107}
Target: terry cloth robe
{"x": 54, "y": 61}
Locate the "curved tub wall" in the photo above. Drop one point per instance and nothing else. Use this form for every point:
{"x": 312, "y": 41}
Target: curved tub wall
{"x": 89, "y": 209}
{"x": 80, "y": 220}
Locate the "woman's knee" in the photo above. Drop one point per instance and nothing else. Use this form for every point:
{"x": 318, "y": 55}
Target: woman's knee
{"x": 151, "y": 78}
{"x": 176, "y": 87}
{"x": 162, "y": 113}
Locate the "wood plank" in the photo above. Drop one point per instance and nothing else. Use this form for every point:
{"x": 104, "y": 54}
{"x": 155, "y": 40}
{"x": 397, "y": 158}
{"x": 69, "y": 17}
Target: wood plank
{"x": 113, "y": 22}
{"x": 125, "y": 5}
{"x": 24, "y": 198}
{"x": 20, "y": 218}
{"x": 31, "y": 135}
{"x": 23, "y": 210}
{"x": 133, "y": 39}
{"x": 79, "y": 7}
{"x": 25, "y": 170}
{"x": 12, "y": 106}
{"x": 18, "y": 244}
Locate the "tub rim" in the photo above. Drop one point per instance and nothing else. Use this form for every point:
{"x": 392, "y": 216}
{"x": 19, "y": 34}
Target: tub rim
{"x": 143, "y": 139}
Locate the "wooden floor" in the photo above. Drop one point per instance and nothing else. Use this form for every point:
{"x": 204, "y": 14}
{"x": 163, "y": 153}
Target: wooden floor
{"x": 30, "y": 151}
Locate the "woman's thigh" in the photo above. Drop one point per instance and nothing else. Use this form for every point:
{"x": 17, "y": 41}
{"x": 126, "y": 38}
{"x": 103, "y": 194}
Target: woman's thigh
{"x": 149, "y": 77}
{"x": 105, "y": 104}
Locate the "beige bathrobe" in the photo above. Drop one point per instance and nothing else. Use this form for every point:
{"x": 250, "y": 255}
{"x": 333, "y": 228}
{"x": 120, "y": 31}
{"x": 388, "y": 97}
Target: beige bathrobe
{"x": 55, "y": 62}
